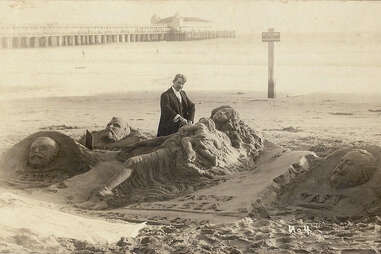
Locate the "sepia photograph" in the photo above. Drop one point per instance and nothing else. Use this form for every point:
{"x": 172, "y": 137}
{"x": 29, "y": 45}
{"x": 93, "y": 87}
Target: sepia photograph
{"x": 190, "y": 126}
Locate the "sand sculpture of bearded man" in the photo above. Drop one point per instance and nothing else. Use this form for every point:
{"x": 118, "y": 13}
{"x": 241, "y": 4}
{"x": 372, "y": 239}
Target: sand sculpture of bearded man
{"x": 45, "y": 158}
{"x": 164, "y": 167}
{"x": 118, "y": 133}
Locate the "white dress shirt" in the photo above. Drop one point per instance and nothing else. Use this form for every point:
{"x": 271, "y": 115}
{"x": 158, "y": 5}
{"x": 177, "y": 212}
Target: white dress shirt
{"x": 177, "y": 93}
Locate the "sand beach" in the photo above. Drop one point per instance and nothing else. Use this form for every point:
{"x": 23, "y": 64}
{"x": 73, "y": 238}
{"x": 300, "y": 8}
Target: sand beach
{"x": 71, "y": 92}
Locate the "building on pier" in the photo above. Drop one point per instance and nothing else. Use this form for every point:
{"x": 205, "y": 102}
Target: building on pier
{"x": 179, "y": 23}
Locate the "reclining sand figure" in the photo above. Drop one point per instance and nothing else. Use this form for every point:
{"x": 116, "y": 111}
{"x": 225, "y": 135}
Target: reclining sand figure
{"x": 346, "y": 183}
{"x": 117, "y": 133}
{"x": 44, "y": 158}
{"x": 164, "y": 167}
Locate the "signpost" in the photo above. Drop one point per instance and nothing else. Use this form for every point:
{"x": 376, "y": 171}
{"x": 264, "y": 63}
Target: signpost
{"x": 270, "y": 36}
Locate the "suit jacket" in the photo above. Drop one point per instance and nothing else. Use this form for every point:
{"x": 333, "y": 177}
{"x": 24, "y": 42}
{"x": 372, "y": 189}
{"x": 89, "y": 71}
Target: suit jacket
{"x": 170, "y": 107}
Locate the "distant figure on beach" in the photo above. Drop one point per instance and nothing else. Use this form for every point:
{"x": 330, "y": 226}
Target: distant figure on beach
{"x": 177, "y": 109}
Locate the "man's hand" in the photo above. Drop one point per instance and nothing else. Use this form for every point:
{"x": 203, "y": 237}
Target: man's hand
{"x": 177, "y": 118}
{"x": 183, "y": 121}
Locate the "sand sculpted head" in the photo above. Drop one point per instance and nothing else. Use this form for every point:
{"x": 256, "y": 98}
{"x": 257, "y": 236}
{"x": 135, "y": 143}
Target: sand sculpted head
{"x": 224, "y": 114}
{"x": 355, "y": 168}
{"x": 44, "y": 158}
{"x": 228, "y": 121}
{"x": 42, "y": 152}
{"x": 117, "y": 129}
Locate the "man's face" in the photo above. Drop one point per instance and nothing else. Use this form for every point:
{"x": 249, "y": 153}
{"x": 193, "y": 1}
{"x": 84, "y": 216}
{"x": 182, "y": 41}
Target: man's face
{"x": 116, "y": 129}
{"x": 178, "y": 84}
{"x": 42, "y": 151}
{"x": 355, "y": 168}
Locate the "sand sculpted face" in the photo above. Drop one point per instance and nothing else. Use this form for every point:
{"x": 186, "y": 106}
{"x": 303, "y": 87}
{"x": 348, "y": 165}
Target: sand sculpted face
{"x": 45, "y": 158}
{"x": 224, "y": 114}
{"x": 42, "y": 152}
{"x": 355, "y": 168}
{"x": 227, "y": 121}
{"x": 117, "y": 129}
{"x": 240, "y": 134}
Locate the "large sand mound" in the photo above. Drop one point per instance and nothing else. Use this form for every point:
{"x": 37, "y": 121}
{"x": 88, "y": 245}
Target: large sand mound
{"x": 344, "y": 184}
{"x": 71, "y": 159}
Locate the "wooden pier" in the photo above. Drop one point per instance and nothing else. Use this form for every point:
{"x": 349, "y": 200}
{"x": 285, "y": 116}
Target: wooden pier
{"x": 33, "y": 36}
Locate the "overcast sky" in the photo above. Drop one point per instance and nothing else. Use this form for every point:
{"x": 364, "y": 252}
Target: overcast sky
{"x": 246, "y": 16}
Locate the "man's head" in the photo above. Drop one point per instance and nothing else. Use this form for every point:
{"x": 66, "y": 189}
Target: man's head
{"x": 42, "y": 152}
{"x": 355, "y": 168}
{"x": 117, "y": 129}
{"x": 179, "y": 81}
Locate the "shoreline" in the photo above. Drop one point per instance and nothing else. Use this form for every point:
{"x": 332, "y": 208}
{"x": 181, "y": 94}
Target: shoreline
{"x": 260, "y": 94}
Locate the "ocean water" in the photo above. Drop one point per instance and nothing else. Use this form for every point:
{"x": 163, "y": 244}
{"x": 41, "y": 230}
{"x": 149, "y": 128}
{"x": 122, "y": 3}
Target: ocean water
{"x": 302, "y": 65}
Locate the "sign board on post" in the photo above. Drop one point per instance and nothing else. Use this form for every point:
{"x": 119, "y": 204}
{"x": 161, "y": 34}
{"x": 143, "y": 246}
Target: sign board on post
{"x": 270, "y": 36}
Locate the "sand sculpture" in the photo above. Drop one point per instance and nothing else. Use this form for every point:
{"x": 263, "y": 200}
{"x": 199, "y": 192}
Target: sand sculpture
{"x": 164, "y": 167}
{"x": 153, "y": 169}
{"x": 45, "y": 158}
{"x": 116, "y": 134}
{"x": 42, "y": 152}
{"x": 355, "y": 167}
{"x": 346, "y": 183}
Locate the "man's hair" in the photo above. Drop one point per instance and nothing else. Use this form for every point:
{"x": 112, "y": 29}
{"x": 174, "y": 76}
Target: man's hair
{"x": 180, "y": 76}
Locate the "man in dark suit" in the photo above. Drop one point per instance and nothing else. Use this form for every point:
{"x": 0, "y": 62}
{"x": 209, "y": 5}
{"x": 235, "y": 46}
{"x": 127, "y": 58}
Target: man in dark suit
{"x": 176, "y": 108}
